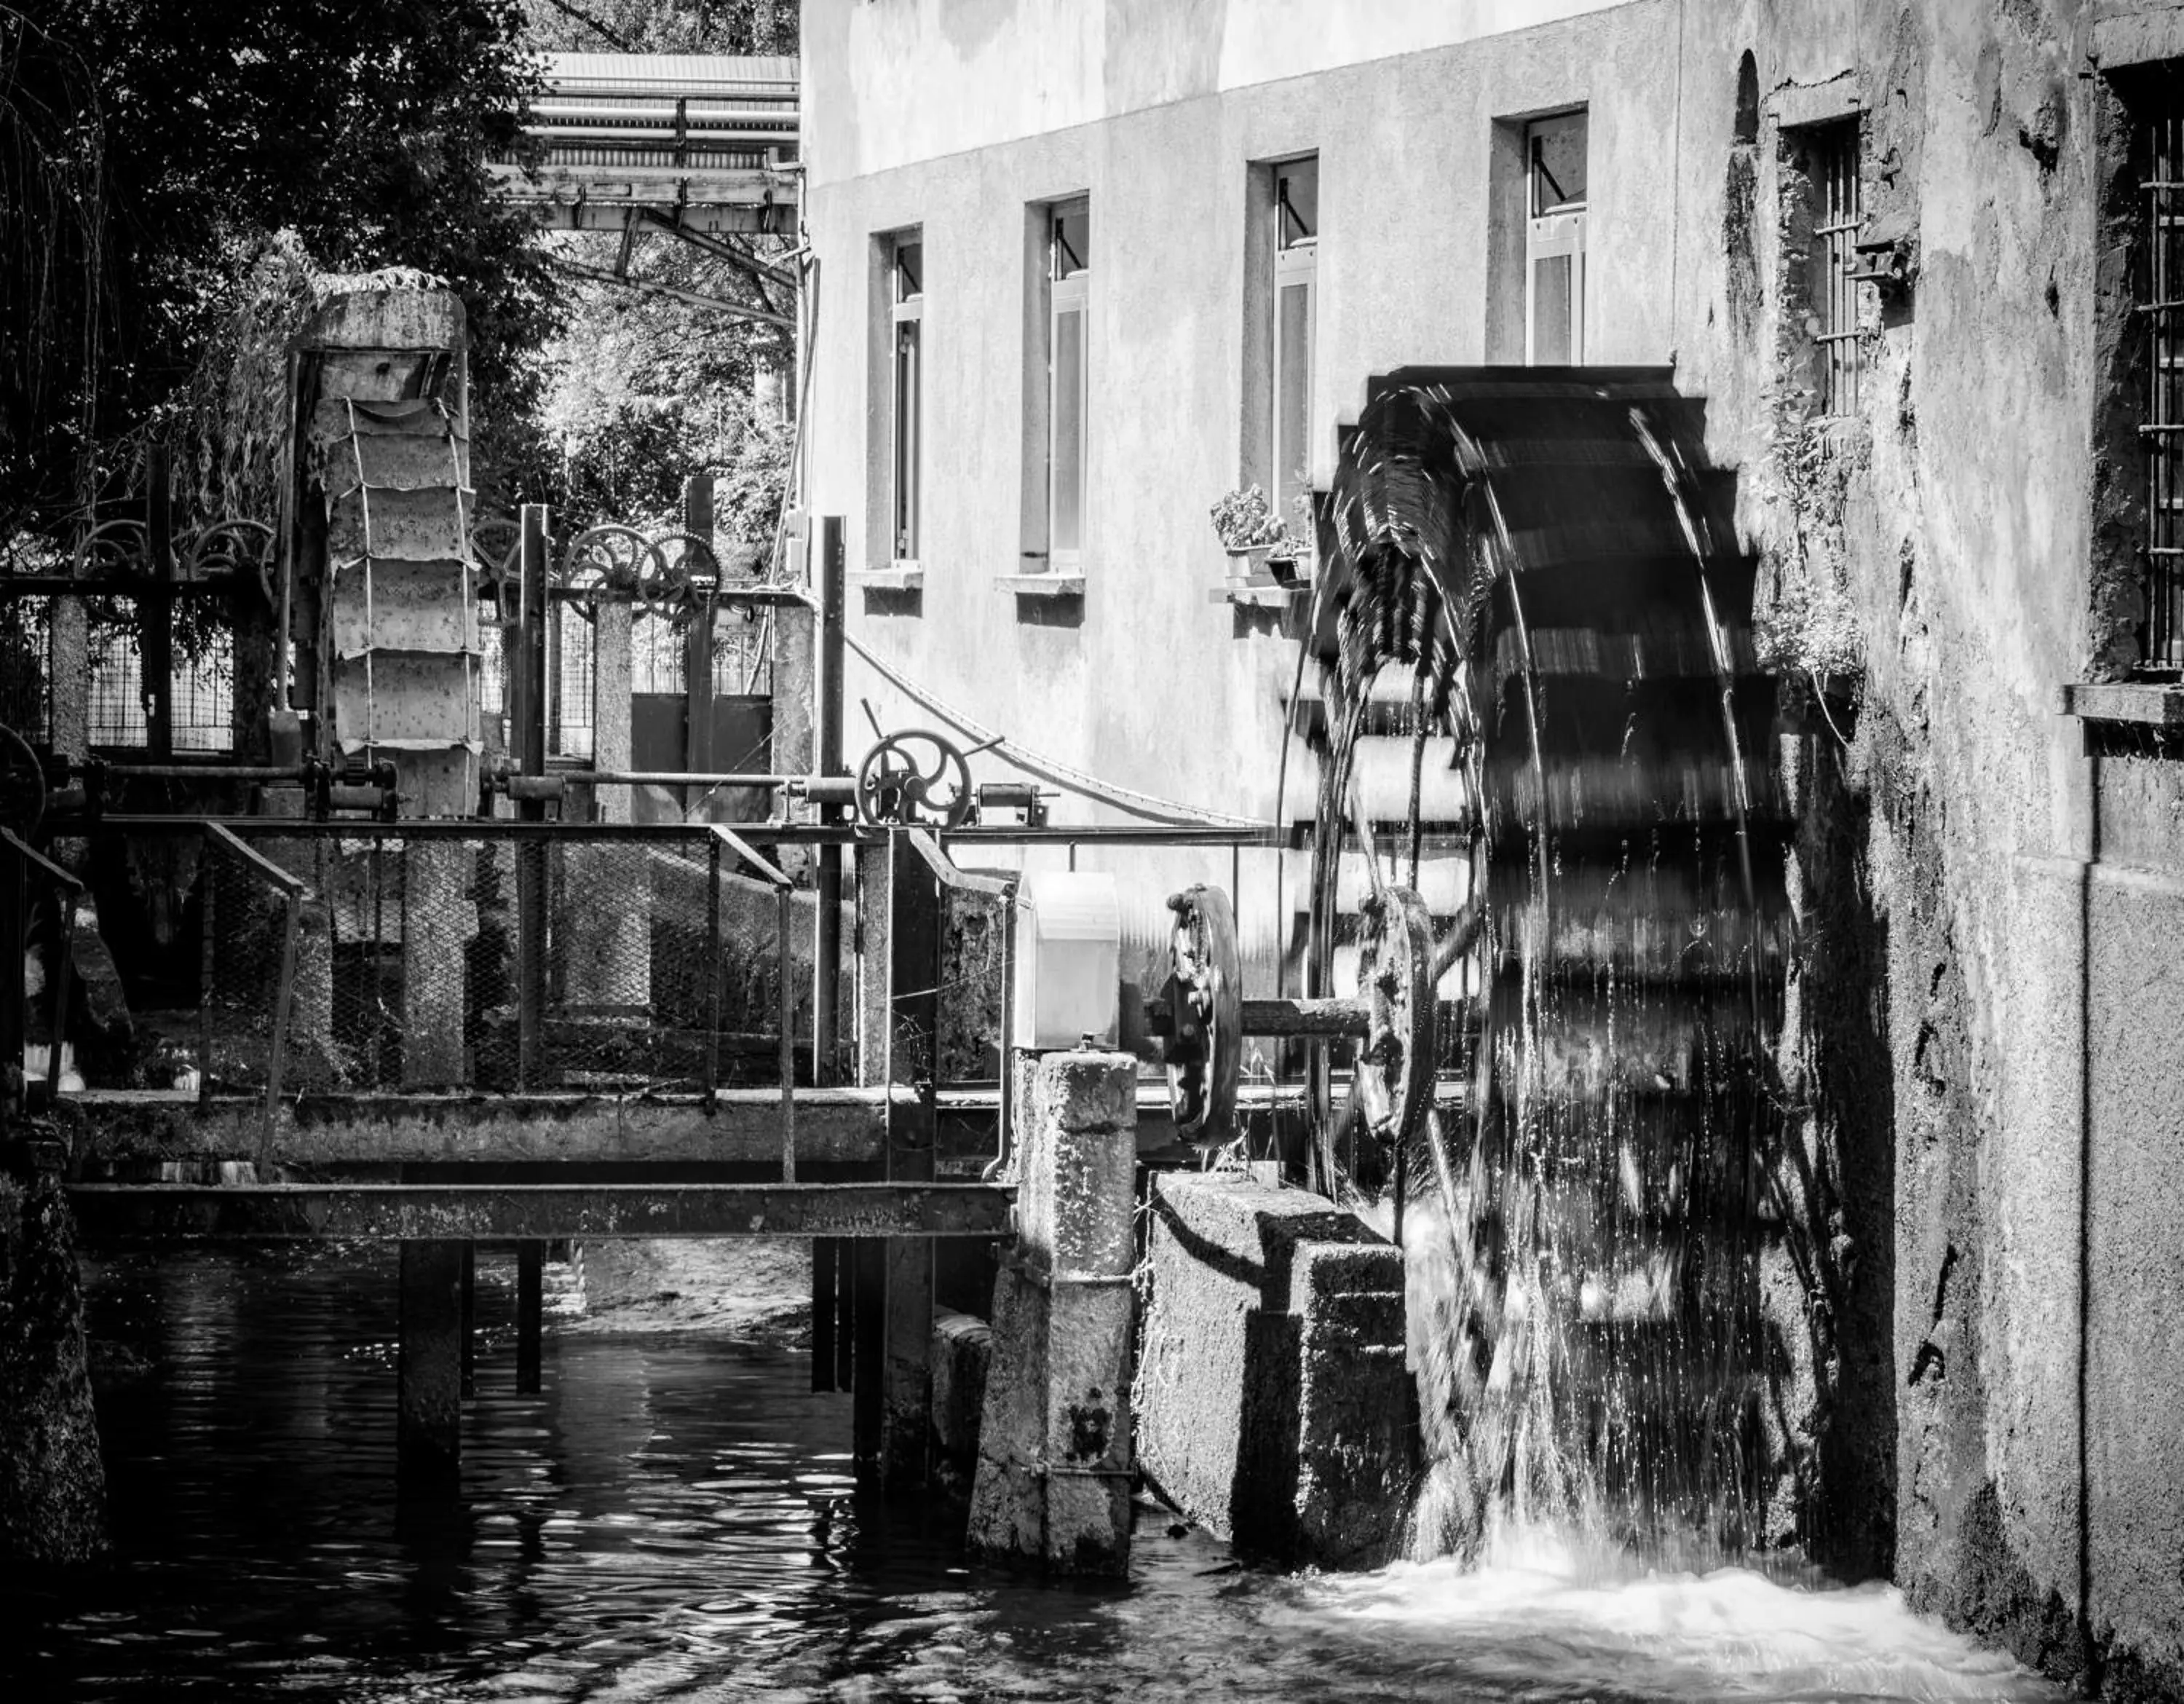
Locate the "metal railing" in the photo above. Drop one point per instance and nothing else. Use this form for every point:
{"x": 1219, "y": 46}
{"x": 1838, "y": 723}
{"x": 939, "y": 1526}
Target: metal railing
{"x": 485, "y": 956}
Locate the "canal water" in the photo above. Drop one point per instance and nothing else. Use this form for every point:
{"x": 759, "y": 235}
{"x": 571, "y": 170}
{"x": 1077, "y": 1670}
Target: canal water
{"x": 675, "y": 1518}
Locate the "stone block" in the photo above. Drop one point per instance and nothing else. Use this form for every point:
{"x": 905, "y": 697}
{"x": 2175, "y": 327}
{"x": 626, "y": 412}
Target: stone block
{"x": 963, "y": 1350}
{"x": 1055, "y": 1449}
{"x": 1274, "y": 1404}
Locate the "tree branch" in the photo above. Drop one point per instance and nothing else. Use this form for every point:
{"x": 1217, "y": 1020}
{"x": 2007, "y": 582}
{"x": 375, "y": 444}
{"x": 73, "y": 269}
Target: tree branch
{"x": 620, "y": 44}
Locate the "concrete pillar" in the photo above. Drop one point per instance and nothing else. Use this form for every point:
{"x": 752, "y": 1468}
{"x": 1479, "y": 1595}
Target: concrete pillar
{"x": 1055, "y": 1449}
{"x": 70, "y": 680}
{"x": 793, "y": 747}
{"x": 610, "y": 707}
{"x": 530, "y": 1315}
{"x": 429, "y": 1363}
{"x": 439, "y": 920}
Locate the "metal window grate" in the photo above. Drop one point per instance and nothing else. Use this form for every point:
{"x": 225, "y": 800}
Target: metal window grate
{"x": 201, "y": 695}
{"x": 1836, "y": 216}
{"x": 2160, "y": 278}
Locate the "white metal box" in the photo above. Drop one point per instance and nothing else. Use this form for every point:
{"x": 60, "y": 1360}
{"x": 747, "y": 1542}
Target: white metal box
{"x": 1069, "y": 950}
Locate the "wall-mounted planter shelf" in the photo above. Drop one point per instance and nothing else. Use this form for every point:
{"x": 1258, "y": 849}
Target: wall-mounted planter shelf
{"x": 1043, "y": 586}
{"x": 2149, "y": 703}
{"x": 1262, "y": 591}
{"x": 896, "y": 576}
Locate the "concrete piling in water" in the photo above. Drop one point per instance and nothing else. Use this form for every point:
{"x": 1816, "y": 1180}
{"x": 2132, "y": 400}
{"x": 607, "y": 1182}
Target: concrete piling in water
{"x": 530, "y": 1315}
{"x": 429, "y": 1365}
{"x": 1054, "y": 1450}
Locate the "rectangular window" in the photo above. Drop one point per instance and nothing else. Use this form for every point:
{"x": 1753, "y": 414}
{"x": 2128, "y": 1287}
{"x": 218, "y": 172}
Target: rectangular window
{"x": 1554, "y": 240}
{"x": 1296, "y": 312}
{"x": 1068, "y": 282}
{"x": 2159, "y": 282}
{"x": 908, "y": 317}
{"x": 1831, "y": 161}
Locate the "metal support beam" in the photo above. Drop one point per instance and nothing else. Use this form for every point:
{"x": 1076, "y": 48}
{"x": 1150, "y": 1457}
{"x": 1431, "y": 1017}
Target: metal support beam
{"x": 528, "y": 691}
{"x": 646, "y": 287}
{"x": 913, "y": 941}
{"x": 829, "y": 571}
{"x": 460, "y": 1212}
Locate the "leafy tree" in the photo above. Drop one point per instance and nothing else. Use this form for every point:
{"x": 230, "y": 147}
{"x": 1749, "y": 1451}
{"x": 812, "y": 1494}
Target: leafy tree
{"x": 177, "y": 137}
{"x": 637, "y": 391}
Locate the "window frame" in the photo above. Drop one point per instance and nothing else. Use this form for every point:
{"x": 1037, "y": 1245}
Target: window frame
{"x": 1296, "y": 266}
{"x": 1554, "y": 231}
{"x": 906, "y": 400}
{"x": 1833, "y": 154}
{"x": 1068, "y": 292}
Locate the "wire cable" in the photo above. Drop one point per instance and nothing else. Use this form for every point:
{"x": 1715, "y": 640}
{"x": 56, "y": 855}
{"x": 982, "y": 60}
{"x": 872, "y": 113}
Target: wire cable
{"x": 1146, "y": 805}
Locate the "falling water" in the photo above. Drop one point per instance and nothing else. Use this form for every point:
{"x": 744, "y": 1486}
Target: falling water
{"x": 1583, "y": 1277}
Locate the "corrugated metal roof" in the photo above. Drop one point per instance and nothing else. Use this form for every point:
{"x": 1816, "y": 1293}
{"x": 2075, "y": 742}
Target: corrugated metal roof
{"x": 669, "y": 73}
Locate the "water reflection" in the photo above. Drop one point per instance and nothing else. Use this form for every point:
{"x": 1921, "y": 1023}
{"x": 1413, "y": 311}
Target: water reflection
{"x": 675, "y": 1518}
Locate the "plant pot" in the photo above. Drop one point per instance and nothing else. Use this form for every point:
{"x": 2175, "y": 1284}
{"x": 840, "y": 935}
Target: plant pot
{"x": 1287, "y": 571}
{"x": 1247, "y": 561}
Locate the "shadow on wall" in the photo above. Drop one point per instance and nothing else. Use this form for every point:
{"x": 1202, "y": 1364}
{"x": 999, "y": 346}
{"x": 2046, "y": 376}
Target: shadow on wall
{"x": 1827, "y": 1272}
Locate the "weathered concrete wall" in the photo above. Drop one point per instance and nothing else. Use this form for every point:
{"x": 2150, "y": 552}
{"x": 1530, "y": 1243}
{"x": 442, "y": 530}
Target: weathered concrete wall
{"x": 1970, "y": 1282}
{"x": 1274, "y": 1404}
{"x": 53, "y": 1484}
{"x": 1150, "y": 683}
{"x": 1982, "y": 1157}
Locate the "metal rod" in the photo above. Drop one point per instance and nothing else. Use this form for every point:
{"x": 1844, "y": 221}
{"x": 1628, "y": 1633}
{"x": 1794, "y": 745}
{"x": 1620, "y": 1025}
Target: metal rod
{"x": 712, "y": 1063}
{"x": 284, "y": 997}
{"x": 785, "y": 920}
{"x": 529, "y": 684}
{"x": 827, "y": 570}
{"x": 676, "y": 778}
{"x": 256, "y": 860}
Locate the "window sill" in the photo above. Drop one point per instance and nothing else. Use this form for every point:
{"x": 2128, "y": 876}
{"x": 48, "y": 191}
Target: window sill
{"x": 1055, "y": 585}
{"x": 896, "y": 576}
{"x": 1260, "y": 593}
{"x": 2147, "y": 703}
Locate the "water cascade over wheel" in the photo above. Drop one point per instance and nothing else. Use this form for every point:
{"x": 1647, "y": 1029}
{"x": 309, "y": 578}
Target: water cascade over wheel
{"x": 1541, "y": 708}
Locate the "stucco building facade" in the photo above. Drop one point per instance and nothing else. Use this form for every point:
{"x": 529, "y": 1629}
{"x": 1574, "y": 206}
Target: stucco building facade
{"x": 1909, "y": 257}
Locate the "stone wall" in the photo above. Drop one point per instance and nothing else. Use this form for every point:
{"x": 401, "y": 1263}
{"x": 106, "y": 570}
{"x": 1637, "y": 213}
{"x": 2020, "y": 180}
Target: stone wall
{"x": 1973, "y": 1276}
{"x": 1274, "y": 1406}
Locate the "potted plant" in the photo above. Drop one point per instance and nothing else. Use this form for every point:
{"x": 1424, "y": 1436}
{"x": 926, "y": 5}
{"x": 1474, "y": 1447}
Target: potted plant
{"x": 1295, "y": 546}
{"x": 1248, "y": 529}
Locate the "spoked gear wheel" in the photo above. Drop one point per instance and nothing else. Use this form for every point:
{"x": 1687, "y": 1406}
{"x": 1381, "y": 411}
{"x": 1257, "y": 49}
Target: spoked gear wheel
{"x": 915, "y": 779}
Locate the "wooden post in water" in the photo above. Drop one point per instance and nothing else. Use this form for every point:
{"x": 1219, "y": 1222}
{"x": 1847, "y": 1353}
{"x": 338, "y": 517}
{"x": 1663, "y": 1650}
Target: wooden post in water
{"x": 429, "y": 1364}
{"x": 530, "y": 1315}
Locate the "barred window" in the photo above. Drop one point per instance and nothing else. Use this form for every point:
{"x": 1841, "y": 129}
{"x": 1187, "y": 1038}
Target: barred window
{"x": 1832, "y": 151}
{"x": 2160, "y": 283}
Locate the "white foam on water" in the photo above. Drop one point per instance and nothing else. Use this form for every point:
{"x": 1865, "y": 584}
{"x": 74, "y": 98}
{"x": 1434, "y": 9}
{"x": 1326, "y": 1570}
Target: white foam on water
{"x": 1564, "y": 1619}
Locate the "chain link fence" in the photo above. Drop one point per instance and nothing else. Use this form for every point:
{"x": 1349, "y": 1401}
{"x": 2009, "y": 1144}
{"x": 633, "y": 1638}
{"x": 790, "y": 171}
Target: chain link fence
{"x": 497, "y": 962}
